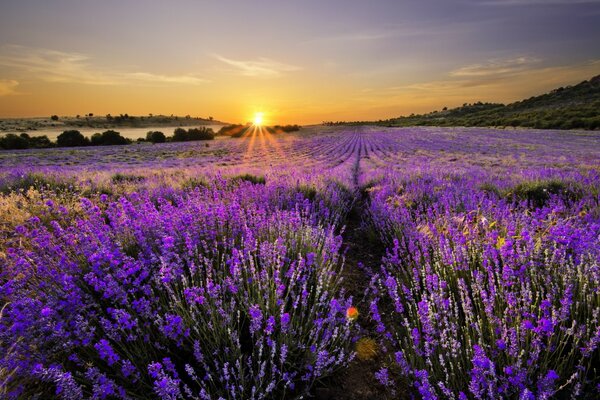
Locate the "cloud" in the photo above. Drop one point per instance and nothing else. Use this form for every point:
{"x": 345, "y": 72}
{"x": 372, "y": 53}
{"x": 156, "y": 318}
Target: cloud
{"x": 182, "y": 79}
{"x": 390, "y": 31}
{"x": 58, "y": 66}
{"x": 535, "y": 2}
{"x": 7, "y": 86}
{"x": 480, "y": 85}
{"x": 262, "y": 67}
{"x": 496, "y": 67}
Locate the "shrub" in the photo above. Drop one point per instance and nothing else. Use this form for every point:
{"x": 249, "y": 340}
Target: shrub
{"x": 40, "y": 142}
{"x": 11, "y": 141}
{"x": 537, "y": 193}
{"x": 38, "y": 181}
{"x": 109, "y": 138}
{"x": 71, "y": 138}
{"x": 156, "y": 137}
{"x": 233, "y": 130}
{"x": 254, "y": 179}
{"x": 181, "y": 135}
{"x": 124, "y": 178}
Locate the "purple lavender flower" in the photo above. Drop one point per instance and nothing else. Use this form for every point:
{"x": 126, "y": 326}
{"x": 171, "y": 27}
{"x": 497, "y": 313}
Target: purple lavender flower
{"x": 106, "y": 352}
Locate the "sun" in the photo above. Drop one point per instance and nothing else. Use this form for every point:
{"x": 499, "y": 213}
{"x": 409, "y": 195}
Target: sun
{"x": 258, "y": 119}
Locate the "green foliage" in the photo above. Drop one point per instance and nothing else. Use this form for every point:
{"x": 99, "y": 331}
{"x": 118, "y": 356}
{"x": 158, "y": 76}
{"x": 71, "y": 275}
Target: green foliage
{"x": 182, "y": 135}
{"x": 255, "y": 179}
{"x": 156, "y": 137}
{"x": 36, "y": 181}
{"x": 124, "y": 178}
{"x": 491, "y": 189}
{"x": 194, "y": 183}
{"x": 235, "y": 130}
{"x": 286, "y": 128}
{"x": 308, "y": 191}
{"x": 109, "y": 138}
{"x": 573, "y": 107}
{"x": 71, "y": 138}
{"x": 537, "y": 193}
{"x": 13, "y": 142}
{"x": 38, "y": 142}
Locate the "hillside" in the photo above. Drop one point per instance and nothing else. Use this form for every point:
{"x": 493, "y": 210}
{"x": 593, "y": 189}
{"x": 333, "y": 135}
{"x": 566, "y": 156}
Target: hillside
{"x": 570, "y": 107}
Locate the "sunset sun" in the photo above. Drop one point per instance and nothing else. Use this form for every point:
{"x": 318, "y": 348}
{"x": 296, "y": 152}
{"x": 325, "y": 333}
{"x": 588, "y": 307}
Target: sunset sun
{"x": 258, "y": 119}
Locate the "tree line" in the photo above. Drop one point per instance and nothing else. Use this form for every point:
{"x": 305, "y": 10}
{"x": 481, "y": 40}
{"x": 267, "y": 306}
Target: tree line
{"x": 74, "y": 138}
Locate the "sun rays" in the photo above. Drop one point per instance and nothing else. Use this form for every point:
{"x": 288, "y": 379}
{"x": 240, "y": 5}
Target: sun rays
{"x": 259, "y": 139}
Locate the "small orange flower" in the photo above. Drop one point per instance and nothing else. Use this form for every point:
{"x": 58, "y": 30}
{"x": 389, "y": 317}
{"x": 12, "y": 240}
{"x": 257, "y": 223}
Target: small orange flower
{"x": 352, "y": 313}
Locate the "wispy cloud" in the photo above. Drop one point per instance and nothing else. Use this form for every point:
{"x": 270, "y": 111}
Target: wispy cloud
{"x": 381, "y": 33}
{"x": 480, "y": 83}
{"x": 496, "y": 67}
{"x": 182, "y": 79}
{"x": 534, "y": 2}
{"x": 58, "y": 66}
{"x": 7, "y": 86}
{"x": 262, "y": 67}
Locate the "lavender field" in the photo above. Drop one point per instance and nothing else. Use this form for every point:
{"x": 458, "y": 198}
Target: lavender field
{"x": 329, "y": 263}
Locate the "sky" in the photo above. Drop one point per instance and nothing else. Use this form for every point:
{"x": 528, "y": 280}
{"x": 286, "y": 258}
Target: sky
{"x": 295, "y": 61}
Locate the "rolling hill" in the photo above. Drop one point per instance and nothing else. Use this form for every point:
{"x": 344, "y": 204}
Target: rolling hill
{"x": 570, "y": 107}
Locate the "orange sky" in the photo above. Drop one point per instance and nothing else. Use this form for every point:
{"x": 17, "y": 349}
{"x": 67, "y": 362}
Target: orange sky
{"x": 296, "y": 63}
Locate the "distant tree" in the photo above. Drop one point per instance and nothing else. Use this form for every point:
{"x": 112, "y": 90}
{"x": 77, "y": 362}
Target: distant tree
{"x": 54, "y": 118}
{"x": 108, "y": 138}
{"x": 96, "y": 139}
{"x": 71, "y": 138}
{"x": 13, "y": 142}
{"x": 90, "y": 114}
{"x": 78, "y": 116}
{"x": 156, "y": 137}
{"x": 179, "y": 135}
{"x": 210, "y": 118}
{"x": 200, "y": 134}
{"x": 40, "y": 142}
{"x": 109, "y": 117}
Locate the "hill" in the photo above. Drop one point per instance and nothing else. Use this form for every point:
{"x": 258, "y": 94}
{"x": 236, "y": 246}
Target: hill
{"x": 570, "y": 107}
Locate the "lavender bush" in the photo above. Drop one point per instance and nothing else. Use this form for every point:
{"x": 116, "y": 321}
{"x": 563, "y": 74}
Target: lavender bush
{"x": 488, "y": 295}
{"x": 221, "y": 292}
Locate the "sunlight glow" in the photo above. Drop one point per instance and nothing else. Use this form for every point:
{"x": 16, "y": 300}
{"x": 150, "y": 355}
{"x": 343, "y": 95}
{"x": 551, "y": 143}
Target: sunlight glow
{"x": 258, "y": 119}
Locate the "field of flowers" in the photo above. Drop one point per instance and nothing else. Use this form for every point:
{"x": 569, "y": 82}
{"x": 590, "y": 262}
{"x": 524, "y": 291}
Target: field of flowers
{"x": 238, "y": 269}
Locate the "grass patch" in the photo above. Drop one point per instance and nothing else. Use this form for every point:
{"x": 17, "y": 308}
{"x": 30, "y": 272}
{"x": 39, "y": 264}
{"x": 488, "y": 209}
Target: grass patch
{"x": 126, "y": 178}
{"x": 254, "y": 179}
{"x": 22, "y": 183}
{"x": 537, "y": 193}
{"x": 193, "y": 183}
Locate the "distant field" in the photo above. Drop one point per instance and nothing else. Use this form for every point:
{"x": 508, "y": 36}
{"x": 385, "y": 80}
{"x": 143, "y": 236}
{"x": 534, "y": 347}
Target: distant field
{"x": 335, "y": 262}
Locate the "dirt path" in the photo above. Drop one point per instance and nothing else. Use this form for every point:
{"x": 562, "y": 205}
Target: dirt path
{"x": 357, "y": 382}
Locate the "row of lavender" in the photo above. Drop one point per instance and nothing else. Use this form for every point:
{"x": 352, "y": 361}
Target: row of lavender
{"x": 491, "y": 283}
{"x": 228, "y": 289}
{"x": 169, "y": 280}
